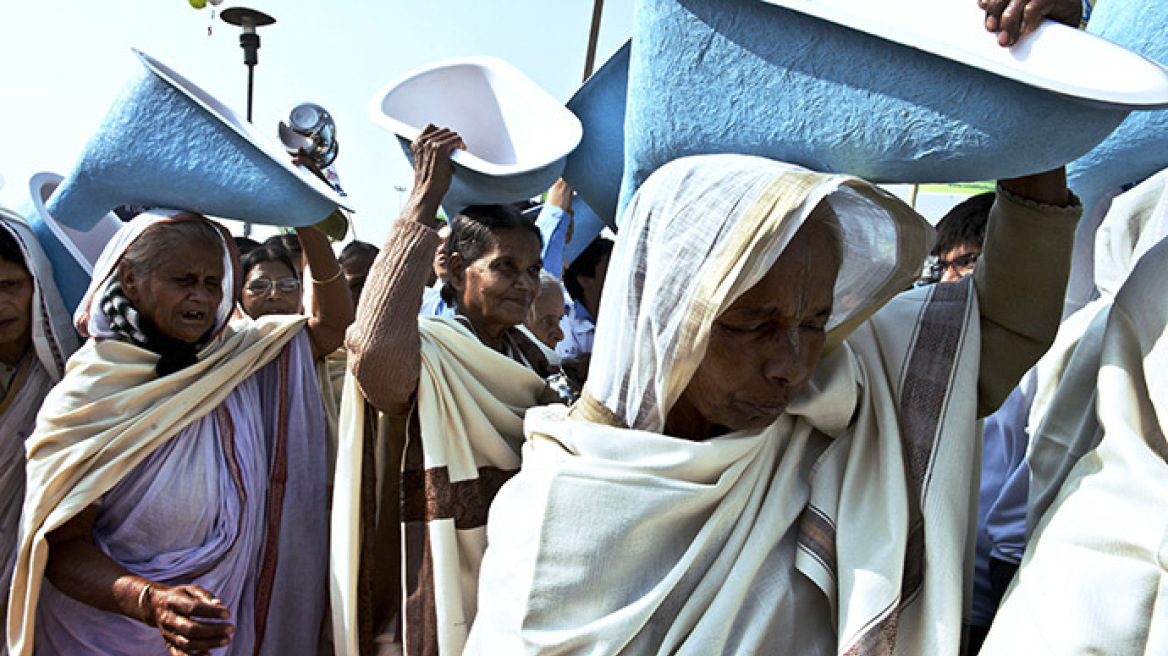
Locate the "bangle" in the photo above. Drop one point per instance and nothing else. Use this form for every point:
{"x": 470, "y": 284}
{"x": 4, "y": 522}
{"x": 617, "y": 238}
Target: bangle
{"x": 329, "y": 279}
{"x": 143, "y": 596}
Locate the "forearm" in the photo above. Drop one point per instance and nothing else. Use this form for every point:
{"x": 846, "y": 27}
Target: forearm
{"x": 332, "y": 305}
{"x": 1021, "y": 280}
{"x": 80, "y": 570}
{"x": 383, "y": 343}
{"x": 553, "y": 226}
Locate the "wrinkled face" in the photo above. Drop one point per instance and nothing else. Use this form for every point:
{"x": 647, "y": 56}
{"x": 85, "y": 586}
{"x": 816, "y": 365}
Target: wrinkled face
{"x": 765, "y": 346}
{"x": 181, "y": 296}
{"x": 543, "y": 319}
{"x": 356, "y": 269}
{"x": 496, "y": 290}
{"x": 270, "y": 288}
{"x": 15, "y": 311}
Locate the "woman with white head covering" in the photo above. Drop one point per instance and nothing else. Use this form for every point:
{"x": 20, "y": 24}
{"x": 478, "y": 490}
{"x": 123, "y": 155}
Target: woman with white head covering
{"x": 176, "y": 494}
{"x": 36, "y": 337}
{"x": 759, "y": 462}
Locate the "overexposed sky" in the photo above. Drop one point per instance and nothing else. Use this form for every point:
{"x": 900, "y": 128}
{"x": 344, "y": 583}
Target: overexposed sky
{"x": 62, "y": 62}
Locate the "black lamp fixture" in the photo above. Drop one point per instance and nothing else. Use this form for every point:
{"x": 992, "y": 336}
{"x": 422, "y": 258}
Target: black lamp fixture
{"x": 249, "y": 40}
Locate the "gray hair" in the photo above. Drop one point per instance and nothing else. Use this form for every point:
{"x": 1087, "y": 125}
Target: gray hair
{"x": 154, "y": 247}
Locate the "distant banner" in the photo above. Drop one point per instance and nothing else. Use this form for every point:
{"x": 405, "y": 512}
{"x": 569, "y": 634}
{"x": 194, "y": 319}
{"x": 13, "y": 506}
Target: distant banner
{"x": 957, "y": 188}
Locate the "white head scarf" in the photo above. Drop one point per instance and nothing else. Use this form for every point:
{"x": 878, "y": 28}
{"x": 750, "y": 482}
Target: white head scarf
{"x": 91, "y": 320}
{"x": 52, "y": 332}
{"x": 702, "y": 231}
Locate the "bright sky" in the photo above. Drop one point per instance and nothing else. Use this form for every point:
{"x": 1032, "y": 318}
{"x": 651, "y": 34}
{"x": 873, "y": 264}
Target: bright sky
{"x": 64, "y": 61}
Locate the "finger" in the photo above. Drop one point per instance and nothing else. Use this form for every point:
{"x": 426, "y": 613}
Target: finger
{"x": 193, "y": 601}
{"x": 1011, "y": 22}
{"x": 993, "y": 10}
{"x": 186, "y": 647}
{"x": 1032, "y": 17}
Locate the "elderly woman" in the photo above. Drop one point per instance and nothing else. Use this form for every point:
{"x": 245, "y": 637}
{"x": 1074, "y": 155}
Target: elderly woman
{"x": 271, "y": 283}
{"x": 451, "y": 393}
{"x": 35, "y": 339}
{"x": 770, "y": 454}
{"x": 176, "y": 494}
{"x": 543, "y": 319}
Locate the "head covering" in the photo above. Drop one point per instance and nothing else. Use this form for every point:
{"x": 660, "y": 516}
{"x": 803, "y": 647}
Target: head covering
{"x": 52, "y": 333}
{"x": 104, "y": 312}
{"x": 702, "y": 231}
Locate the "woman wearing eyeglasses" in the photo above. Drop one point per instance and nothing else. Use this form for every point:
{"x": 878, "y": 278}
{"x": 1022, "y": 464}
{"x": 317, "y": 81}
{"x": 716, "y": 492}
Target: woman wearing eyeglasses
{"x": 270, "y": 283}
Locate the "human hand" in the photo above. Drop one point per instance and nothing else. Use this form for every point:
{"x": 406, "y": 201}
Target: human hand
{"x": 560, "y": 195}
{"x": 191, "y": 620}
{"x": 433, "y": 169}
{"x": 1013, "y": 19}
{"x": 304, "y": 159}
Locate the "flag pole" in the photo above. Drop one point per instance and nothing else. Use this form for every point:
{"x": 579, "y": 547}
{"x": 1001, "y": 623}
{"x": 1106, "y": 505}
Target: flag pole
{"x": 593, "y": 35}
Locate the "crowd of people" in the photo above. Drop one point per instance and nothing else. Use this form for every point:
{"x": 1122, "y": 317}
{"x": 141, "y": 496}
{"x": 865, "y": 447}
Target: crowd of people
{"x": 780, "y": 413}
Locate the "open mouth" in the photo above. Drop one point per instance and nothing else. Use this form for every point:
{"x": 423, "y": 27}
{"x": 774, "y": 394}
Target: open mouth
{"x": 194, "y": 315}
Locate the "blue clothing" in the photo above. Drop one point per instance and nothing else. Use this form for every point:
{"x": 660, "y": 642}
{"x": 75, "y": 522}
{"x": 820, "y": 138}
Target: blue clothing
{"x": 1005, "y": 483}
{"x": 553, "y": 225}
{"x": 579, "y": 330}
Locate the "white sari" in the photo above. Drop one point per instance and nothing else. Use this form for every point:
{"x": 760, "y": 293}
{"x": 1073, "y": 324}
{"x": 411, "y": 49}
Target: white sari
{"x": 845, "y": 527}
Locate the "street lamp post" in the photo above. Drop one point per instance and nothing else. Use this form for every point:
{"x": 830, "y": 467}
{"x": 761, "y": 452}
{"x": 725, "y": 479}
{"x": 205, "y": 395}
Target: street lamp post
{"x": 248, "y": 19}
{"x": 249, "y": 40}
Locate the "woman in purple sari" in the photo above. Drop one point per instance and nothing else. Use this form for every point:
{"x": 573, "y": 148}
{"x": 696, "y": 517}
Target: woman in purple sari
{"x": 177, "y": 495}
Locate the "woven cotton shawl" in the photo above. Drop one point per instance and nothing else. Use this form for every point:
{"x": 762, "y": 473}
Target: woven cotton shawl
{"x": 465, "y": 433}
{"x": 1093, "y": 579}
{"x": 842, "y": 528}
{"x": 111, "y": 411}
{"x": 53, "y": 341}
{"x": 1062, "y": 419}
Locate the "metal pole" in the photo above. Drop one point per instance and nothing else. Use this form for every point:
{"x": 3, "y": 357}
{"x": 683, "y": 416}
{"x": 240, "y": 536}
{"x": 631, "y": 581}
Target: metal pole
{"x": 593, "y": 36}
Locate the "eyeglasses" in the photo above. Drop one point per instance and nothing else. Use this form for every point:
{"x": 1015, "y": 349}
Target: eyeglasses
{"x": 261, "y": 286}
{"x": 962, "y": 265}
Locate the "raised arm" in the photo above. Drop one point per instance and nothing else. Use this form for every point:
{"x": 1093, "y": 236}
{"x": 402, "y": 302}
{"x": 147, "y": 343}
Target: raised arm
{"x": 555, "y": 225}
{"x": 332, "y": 305}
{"x": 383, "y": 343}
{"x": 1021, "y": 278}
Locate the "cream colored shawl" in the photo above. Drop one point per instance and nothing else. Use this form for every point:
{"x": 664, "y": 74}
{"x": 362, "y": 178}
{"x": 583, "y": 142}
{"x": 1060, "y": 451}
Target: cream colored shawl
{"x": 1094, "y": 578}
{"x": 843, "y": 528}
{"x": 1062, "y": 421}
{"x": 469, "y": 417}
{"x": 111, "y": 410}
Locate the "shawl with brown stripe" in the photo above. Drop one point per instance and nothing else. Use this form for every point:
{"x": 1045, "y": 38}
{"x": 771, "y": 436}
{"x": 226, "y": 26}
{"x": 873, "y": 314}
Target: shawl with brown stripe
{"x": 841, "y": 529}
{"x": 463, "y": 440}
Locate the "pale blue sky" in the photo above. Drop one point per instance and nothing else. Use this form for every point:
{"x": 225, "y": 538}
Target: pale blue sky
{"x": 64, "y": 61}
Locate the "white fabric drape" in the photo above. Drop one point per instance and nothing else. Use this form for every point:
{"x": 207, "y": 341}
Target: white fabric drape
{"x": 654, "y": 321}
{"x": 1062, "y": 418}
{"x": 842, "y": 528}
{"x": 467, "y": 430}
{"x": 1094, "y": 579}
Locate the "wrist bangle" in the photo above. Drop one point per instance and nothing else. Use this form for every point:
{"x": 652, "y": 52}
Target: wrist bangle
{"x": 143, "y": 598}
{"x": 329, "y": 279}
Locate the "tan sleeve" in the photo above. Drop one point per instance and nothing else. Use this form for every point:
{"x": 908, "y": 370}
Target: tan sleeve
{"x": 383, "y": 343}
{"x": 1021, "y": 280}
